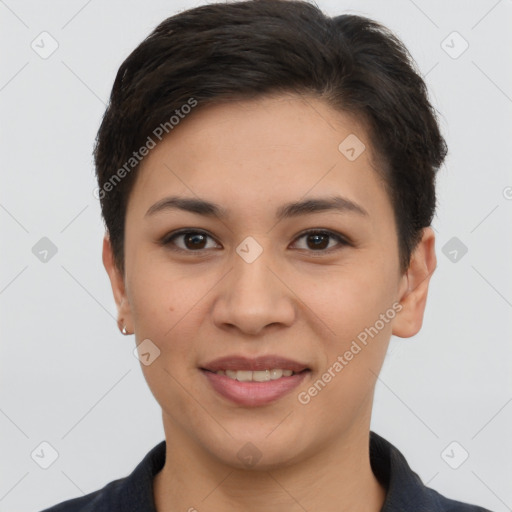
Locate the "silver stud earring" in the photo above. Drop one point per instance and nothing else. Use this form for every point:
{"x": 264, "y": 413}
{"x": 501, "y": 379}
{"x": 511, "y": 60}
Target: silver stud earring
{"x": 124, "y": 331}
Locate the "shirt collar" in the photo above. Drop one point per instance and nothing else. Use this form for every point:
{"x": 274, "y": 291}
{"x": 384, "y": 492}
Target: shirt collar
{"x": 404, "y": 488}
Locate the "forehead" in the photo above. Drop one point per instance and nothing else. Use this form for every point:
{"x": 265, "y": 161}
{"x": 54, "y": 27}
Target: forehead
{"x": 261, "y": 152}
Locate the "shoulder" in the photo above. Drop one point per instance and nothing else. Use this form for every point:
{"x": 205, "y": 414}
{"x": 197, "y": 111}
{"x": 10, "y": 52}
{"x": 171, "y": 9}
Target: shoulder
{"x": 97, "y": 501}
{"x": 404, "y": 489}
{"x": 444, "y": 504}
{"x": 133, "y": 493}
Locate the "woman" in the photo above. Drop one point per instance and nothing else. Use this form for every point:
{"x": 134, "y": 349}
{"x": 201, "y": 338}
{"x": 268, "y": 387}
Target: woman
{"x": 266, "y": 176}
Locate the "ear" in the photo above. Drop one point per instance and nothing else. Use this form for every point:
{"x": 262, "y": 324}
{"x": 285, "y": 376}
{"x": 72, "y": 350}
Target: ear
{"x": 414, "y": 287}
{"x": 124, "y": 313}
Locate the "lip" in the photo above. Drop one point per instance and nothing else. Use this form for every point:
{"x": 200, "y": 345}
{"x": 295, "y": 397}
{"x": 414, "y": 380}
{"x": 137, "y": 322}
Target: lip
{"x": 254, "y": 394}
{"x": 269, "y": 362}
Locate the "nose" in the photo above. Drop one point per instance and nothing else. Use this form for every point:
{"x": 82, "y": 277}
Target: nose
{"x": 254, "y": 297}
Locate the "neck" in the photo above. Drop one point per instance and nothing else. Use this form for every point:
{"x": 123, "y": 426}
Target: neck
{"x": 338, "y": 479}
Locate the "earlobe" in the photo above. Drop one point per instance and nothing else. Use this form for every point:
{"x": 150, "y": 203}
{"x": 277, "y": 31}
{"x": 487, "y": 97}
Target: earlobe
{"x": 118, "y": 285}
{"x": 414, "y": 287}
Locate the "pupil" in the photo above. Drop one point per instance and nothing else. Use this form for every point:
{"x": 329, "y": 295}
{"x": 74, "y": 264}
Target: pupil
{"x": 316, "y": 238}
{"x": 194, "y": 238}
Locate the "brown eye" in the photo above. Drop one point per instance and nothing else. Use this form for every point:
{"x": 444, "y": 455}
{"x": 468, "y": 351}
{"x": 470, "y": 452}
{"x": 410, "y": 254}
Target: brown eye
{"x": 194, "y": 240}
{"x": 188, "y": 241}
{"x": 319, "y": 240}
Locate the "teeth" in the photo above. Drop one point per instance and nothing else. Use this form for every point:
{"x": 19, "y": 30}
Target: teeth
{"x": 276, "y": 374}
{"x": 243, "y": 376}
{"x": 261, "y": 376}
{"x": 256, "y": 376}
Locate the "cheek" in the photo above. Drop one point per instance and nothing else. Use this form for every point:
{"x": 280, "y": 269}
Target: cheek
{"x": 352, "y": 305}
{"x": 161, "y": 295}
{"x": 167, "y": 309}
{"x": 169, "y": 306}
{"x": 348, "y": 298}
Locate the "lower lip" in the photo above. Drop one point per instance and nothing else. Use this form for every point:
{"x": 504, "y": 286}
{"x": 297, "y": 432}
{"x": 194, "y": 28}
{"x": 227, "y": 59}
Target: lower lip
{"x": 253, "y": 394}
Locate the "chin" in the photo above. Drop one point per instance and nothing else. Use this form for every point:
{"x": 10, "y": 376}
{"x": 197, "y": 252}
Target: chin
{"x": 259, "y": 452}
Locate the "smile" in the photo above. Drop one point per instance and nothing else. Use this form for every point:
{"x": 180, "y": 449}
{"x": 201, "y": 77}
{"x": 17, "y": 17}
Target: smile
{"x": 253, "y": 381}
{"x": 243, "y": 389}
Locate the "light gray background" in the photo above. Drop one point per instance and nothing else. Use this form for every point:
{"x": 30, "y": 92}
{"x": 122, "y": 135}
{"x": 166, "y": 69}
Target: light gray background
{"x": 68, "y": 377}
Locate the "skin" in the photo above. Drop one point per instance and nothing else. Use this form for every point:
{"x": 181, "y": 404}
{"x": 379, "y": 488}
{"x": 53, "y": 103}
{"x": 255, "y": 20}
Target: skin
{"x": 294, "y": 300}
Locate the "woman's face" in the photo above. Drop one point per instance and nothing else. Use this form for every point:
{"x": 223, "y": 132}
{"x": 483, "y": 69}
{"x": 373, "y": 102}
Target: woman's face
{"x": 247, "y": 289}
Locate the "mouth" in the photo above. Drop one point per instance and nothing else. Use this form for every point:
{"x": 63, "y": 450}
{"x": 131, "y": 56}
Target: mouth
{"x": 254, "y": 381}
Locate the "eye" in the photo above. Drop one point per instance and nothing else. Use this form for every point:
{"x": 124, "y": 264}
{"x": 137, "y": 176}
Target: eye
{"x": 191, "y": 241}
{"x": 318, "y": 240}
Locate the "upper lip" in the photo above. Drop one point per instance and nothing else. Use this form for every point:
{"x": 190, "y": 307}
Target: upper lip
{"x": 236, "y": 362}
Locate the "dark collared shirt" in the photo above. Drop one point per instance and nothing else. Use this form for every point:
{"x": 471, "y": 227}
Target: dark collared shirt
{"x": 405, "y": 491}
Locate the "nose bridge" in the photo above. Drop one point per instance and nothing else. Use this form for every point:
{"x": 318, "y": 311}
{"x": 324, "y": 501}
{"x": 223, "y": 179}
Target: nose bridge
{"x": 252, "y": 296}
{"x": 250, "y": 277}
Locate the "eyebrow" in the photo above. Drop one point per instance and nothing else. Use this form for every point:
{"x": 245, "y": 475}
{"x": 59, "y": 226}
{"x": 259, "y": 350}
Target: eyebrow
{"x": 288, "y": 210}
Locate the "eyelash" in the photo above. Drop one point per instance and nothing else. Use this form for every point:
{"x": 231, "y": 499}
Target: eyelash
{"x": 168, "y": 240}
